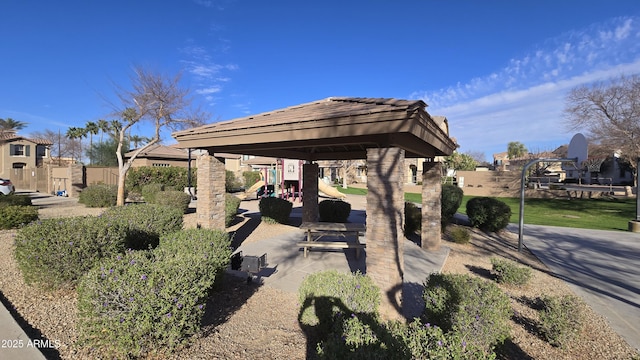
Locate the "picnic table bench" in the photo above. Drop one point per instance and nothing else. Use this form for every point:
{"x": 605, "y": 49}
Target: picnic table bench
{"x": 316, "y": 230}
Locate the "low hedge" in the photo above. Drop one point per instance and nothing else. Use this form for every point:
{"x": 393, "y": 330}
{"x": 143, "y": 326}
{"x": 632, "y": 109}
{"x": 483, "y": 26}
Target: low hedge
{"x": 146, "y": 223}
{"x": 334, "y": 211}
{"x": 13, "y": 199}
{"x": 274, "y": 209}
{"x": 231, "y": 206}
{"x": 142, "y": 301}
{"x": 488, "y": 214}
{"x": 325, "y": 295}
{"x": 150, "y": 191}
{"x": 451, "y": 198}
{"x": 99, "y": 196}
{"x": 474, "y": 308}
{"x": 176, "y": 198}
{"x": 55, "y": 253}
{"x": 412, "y": 218}
{"x": 16, "y": 216}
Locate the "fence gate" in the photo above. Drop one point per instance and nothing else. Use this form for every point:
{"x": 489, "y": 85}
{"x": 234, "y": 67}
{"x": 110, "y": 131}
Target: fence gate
{"x": 29, "y": 179}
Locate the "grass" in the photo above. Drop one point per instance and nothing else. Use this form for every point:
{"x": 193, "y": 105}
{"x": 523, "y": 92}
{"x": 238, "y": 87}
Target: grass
{"x": 598, "y": 214}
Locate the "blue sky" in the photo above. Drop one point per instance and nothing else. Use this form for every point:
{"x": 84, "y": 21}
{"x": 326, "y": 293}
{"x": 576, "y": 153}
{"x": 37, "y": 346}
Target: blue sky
{"x": 497, "y": 69}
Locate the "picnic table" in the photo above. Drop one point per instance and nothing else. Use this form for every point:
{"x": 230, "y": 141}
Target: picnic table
{"x": 317, "y": 230}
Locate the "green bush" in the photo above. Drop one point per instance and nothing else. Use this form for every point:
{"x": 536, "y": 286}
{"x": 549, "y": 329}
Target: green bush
{"x": 231, "y": 182}
{"x": 324, "y": 295}
{"x": 250, "y": 178}
{"x": 150, "y": 191}
{"x": 15, "y": 216}
{"x": 412, "y": 218}
{"x": 143, "y": 301}
{"x": 146, "y": 223}
{"x": 560, "y": 319}
{"x": 451, "y": 198}
{"x": 231, "y": 206}
{"x": 508, "y": 272}
{"x": 99, "y": 195}
{"x": 356, "y": 337}
{"x": 275, "y": 209}
{"x": 334, "y": 211}
{"x": 175, "y": 198}
{"x": 173, "y": 176}
{"x": 55, "y": 253}
{"x": 488, "y": 214}
{"x": 474, "y": 308}
{"x": 13, "y": 199}
{"x": 460, "y": 235}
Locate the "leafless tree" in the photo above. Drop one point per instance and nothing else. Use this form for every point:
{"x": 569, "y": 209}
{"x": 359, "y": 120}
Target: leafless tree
{"x": 62, "y": 147}
{"x": 156, "y": 98}
{"x": 610, "y": 113}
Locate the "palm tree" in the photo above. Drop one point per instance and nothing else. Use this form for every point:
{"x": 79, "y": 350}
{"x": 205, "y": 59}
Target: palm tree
{"x": 10, "y": 125}
{"x": 137, "y": 140}
{"x": 91, "y": 128}
{"x": 76, "y": 133}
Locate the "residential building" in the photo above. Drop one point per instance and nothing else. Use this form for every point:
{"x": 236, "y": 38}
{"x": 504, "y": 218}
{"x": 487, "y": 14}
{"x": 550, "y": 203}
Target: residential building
{"x": 19, "y": 152}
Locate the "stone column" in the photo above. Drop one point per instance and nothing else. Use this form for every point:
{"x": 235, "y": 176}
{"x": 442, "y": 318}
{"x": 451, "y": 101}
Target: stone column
{"x": 211, "y": 192}
{"x": 385, "y": 218}
{"x": 310, "y": 211}
{"x": 431, "y": 205}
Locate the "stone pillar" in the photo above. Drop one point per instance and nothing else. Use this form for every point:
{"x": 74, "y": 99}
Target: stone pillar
{"x": 431, "y": 205}
{"x": 310, "y": 211}
{"x": 211, "y": 192}
{"x": 385, "y": 217}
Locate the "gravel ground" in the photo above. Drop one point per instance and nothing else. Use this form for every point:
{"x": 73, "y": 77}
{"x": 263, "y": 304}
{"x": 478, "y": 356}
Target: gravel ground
{"x": 250, "y": 321}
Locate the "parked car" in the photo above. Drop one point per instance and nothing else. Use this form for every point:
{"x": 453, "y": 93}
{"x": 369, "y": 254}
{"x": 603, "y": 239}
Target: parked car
{"x": 6, "y": 187}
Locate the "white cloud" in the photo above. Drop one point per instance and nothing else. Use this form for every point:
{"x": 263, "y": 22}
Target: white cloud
{"x": 524, "y": 101}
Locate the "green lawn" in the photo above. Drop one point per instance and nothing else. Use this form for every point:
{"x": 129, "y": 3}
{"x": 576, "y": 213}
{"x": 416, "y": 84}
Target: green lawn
{"x": 600, "y": 214}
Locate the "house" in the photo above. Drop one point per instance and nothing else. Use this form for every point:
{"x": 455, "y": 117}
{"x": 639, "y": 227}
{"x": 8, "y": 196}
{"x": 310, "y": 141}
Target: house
{"x": 165, "y": 156}
{"x": 19, "y": 152}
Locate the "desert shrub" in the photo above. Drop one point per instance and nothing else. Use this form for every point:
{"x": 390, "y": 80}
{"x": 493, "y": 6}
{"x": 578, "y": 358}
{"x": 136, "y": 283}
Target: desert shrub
{"x": 13, "y": 199}
{"x": 56, "y": 252}
{"x": 508, "y": 272}
{"x": 412, "y": 218}
{"x": 451, "y": 198}
{"x": 146, "y": 223}
{"x": 131, "y": 304}
{"x": 251, "y": 177}
{"x": 175, "y": 198}
{"x": 15, "y": 216}
{"x": 474, "y": 308}
{"x": 354, "y": 337}
{"x": 231, "y": 206}
{"x": 460, "y": 235}
{"x": 488, "y": 214}
{"x": 560, "y": 319}
{"x": 325, "y": 295}
{"x": 334, "y": 210}
{"x": 99, "y": 195}
{"x": 275, "y": 210}
{"x": 150, "y": 191}
{"x": 174, "y": 176}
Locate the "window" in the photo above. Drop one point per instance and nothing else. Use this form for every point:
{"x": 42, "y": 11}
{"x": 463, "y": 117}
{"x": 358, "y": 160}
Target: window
{"x": 41, "y": 151}
{"x": 19, "y": 150}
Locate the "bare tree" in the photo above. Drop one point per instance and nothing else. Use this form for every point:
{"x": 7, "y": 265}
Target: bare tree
{"x": 156, "y": 98}
{"x": 610, "y": 112}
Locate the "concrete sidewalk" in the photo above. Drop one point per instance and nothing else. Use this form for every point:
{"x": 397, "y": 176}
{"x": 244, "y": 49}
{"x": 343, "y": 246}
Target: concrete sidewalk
{"x": 602, "y": 267}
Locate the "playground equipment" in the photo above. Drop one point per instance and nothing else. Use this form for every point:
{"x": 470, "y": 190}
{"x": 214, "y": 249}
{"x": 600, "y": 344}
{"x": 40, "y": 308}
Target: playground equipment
{"x": 284, "y": 179}
{"x": 330, "y": 190}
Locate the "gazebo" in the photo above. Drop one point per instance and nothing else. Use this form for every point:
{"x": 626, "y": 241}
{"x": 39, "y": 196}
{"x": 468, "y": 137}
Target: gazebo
{"x": 382, "y": 131}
